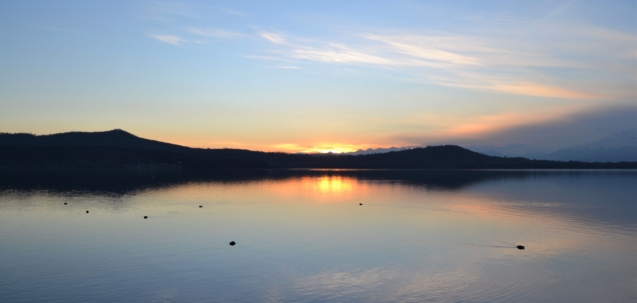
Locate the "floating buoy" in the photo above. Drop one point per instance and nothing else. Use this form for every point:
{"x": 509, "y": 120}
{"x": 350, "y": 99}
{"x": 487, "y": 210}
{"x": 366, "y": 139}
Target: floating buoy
{"x": 64, "y": 203}
{"x": 232, "y": 243}
{"x": 360, "y": 203}
{"x": 200, "y": 206}
{"x": 520, "y": 247}
{"x": 145, "y": 217}
{"x": 87, "y": 211}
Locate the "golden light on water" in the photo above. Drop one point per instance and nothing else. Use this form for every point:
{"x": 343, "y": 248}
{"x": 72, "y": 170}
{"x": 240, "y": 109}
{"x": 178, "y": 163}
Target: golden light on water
{"x": 316, "y": 189}
{"x": 334, "y": 185}
{"x": 330, "y": 189}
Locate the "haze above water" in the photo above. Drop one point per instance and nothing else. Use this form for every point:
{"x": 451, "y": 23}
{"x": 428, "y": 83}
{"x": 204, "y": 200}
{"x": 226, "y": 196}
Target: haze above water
{"x": 303, "y": 237}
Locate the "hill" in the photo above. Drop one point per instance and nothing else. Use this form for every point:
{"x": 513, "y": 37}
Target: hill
{"x": 110, "y": 149}
{"x": 114, "y": 138}
{"x": 120, "y": 149}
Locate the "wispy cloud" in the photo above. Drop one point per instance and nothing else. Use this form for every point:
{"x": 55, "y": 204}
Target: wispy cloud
{"x": 339, "y": 54}
{"x": 273, "y": 37}
{"x": 510, "y": 54}
{"x": 213, "y": 32}
{"x": 541, "y": 90}
{"x": 171, "y": 39}
{"x": 557, "y": 130}
{"x": 419, "y": 49}
{"x": 488, "y": 61}
{"x": 508, "y": 85}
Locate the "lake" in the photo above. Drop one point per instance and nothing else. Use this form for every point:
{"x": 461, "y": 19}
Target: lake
{"x": 303, "y": 236}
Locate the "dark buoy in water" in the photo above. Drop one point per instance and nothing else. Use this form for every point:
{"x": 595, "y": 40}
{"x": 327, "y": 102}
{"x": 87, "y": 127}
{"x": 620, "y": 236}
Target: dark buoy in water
{"x": 232, "y": 243}
{"x": 520, "y": 247}
{"x": 145, "y": 217}
{"x": 64, "y": 203}
{"x": 200, "y": 206}
{"x": 360, "y": 203}
{"x": 87, "y": 211}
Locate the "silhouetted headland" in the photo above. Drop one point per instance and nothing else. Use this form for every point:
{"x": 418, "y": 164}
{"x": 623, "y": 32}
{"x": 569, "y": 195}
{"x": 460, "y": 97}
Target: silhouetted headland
{"x": 122, "y": 150}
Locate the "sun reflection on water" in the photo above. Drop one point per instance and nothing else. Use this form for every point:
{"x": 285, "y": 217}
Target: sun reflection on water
{"x": 336, "y": 185}
{"x": 308, "y": 237}
{"x": 329, "y": 189}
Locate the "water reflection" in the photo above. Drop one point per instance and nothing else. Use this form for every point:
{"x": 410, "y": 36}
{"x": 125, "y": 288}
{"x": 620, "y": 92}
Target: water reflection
{"x": 302, "y": 237}
{"x": 115, "y": 182}
{"x": 331, "y": 184}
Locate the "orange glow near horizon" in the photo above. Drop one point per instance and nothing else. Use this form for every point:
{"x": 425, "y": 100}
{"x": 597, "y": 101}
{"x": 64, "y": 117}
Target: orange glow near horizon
{"x": 330, "y": 149}
{"x": 484, "y": 125}
{"x": 336, "y": 148}
{"x": 441, "y": 129}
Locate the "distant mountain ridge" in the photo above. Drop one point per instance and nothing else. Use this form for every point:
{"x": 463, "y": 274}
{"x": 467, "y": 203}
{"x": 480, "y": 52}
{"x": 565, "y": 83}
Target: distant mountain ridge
{"x": 120, "y": 149}
{"x": 621, "y": 146}
{"x": 509, "y": 150}
{"x": 616, "y": 147}
{"x": 616, "y": 140}
{"x": 371, "y": 151}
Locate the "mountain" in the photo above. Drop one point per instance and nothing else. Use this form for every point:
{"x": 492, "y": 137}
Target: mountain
{"x": 114, "y": 138}
{"x": 371, "y": 151}
{"x": 109, "y": 149}
{"x": 617, "y": 147}
{"x": 119, "y": 149}
{"x": 510, "y": 150}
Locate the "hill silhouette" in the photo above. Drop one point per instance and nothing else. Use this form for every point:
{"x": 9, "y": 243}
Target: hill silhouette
{"x": 109, "y": 149}
{"x": 113, "y": 138}
{"x": 120, "y": 149}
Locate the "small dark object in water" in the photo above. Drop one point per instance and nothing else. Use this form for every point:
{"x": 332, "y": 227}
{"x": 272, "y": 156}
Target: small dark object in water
{"x": 87, "y": 211}
{"x": 360, "y": 203}
{"x": 232, "y": 243}
{"x": 520, "y": 247}
{"x": 64, "y": 203}
{"x": 200, "y": 206}
{"x": 145, "y": 217}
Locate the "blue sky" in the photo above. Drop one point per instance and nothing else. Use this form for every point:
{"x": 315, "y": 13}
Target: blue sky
{"x": 320, "y": 75}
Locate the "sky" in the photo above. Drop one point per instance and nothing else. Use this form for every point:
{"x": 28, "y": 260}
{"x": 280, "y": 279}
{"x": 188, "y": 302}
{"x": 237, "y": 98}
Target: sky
{"x": 318, "y": 76}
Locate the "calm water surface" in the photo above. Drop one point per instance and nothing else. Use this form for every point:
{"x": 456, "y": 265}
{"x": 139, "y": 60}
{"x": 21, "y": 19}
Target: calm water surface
{"x": 303, "y": 237}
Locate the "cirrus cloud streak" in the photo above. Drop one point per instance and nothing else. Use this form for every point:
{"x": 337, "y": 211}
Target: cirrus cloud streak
{"x": 484, "y": 62}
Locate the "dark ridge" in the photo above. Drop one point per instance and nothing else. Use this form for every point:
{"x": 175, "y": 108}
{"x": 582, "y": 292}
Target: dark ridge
{"x": 111, "y": 138}
{"x": 122, "y": 150}
{"x": 65, "y": 157}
